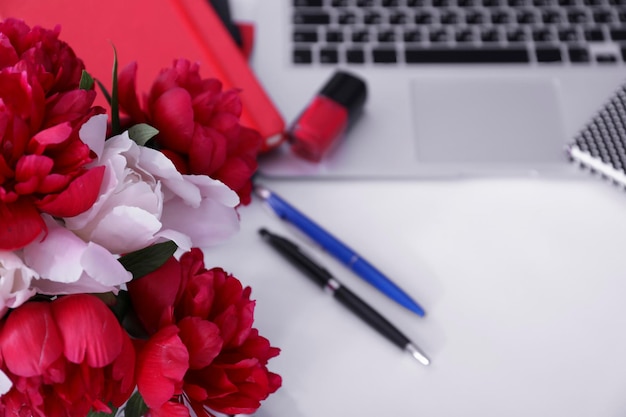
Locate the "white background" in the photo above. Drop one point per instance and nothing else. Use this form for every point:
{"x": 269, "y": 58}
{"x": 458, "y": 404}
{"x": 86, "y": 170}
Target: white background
{"x": 523, "y": 281}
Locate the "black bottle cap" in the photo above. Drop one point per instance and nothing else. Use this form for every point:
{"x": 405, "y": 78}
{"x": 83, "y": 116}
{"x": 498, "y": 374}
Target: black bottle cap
{"x": 348, "y": 90}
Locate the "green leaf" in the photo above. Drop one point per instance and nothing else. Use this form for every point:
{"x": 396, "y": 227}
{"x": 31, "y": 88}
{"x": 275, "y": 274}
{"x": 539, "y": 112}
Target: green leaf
{"x": 102, "y": 413}
{"x": 115, "y": 112}
{"x": 135, "y": 406}
{"x": 141, "y": 133}
{"x": 104, "y": 90}
{"x": 149, "y": 259}
{"x": 86, "y": 81}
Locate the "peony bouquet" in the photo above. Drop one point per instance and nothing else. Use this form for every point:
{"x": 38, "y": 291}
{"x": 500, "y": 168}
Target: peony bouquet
{"x": 106, "y": 306}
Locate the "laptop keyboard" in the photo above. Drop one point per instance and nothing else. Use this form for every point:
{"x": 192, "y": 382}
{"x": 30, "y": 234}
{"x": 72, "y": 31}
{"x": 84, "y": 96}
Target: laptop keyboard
{"x": 387, "y": 32}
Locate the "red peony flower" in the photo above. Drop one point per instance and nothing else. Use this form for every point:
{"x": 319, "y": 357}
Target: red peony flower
{"x": 65, "y": 358}
{"x": 51, "y": 60}
{"x": 198, "y": 124}
{"x": 210, "y": 314}
{"x": 42, "y": 159}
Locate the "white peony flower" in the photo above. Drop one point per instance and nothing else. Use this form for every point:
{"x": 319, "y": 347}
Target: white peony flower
{"x": 15, "y": 281}
{"x": 5, "y": 383}
{"x": 68, "y": 265}
{"x": 145, "y": 200}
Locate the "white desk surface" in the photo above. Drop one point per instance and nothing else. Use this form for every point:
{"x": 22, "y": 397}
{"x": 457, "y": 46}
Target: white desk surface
{"x": 524, "y": 282}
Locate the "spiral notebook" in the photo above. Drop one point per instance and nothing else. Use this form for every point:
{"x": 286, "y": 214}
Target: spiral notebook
{"x": 601, "y": 144}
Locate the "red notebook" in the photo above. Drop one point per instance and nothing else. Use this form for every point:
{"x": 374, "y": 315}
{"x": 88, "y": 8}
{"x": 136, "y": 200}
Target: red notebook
{"x": 154, "y": 33}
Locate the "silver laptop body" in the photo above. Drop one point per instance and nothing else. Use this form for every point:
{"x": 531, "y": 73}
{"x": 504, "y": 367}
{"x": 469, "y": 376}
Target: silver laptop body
{"x": 449, "y": 105}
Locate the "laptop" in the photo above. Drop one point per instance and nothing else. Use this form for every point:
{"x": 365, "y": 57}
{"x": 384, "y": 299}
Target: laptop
{"x": 455, "y": 87}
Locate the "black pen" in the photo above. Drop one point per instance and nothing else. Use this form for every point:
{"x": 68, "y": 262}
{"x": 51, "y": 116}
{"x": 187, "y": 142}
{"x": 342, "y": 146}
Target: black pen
{"x": 346, "y": 297}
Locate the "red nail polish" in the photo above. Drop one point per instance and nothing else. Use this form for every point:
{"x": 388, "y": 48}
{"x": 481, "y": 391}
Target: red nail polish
{"x": 327, "y": 117}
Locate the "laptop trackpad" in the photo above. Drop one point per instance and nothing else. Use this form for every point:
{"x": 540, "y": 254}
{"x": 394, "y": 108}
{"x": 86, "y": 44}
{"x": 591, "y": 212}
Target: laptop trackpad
{"x": 487, "y": 120}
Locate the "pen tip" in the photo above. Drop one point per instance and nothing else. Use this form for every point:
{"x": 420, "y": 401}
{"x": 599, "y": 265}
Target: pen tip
{"x": 417, "y": 354}
{"x": 261, "y": 191}
{"x": 263, "y": 232}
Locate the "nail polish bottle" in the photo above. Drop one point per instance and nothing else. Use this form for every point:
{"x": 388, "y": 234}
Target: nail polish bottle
{"x": 327, "y": 116}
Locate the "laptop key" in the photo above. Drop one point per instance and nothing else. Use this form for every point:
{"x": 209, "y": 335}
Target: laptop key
{"x": 466, "y": 56}
{"x": 329, "y": 56}
{"x": 579, "y": 54}
{"x": 594, "y": 35}
{"x": 501, "y": 17}
{"x": 552, "y": 16}
{"x": 347, "y": 18}
{"x": 548, "y": 54}
{"x": 334, "y": 36}
{"x": 398, "y": 18}
{"x": 311, "y": 18}
{"x": 302, "y": 56}
{"x": 577, "y": 16}
{"x": 603, "y": 16}
{"x": 618, "y": 34}
{"x": 465, "y": 35}
{"x": 569, "y": 35}
{"x": 439, "y": 35}
{"x": 305, "y": 36}
{"x": 475, "y": 17}
{"x": 543, "y": 35}
{"x": 412, "y": 35}
{"x": 526, "y": 16}
{"x": 606, "y": 58}
{"x": 361, "y": 36}
{"x": 384, "y": 55}
{"x": 516, "y": 35}
{"x": 308, "y": 3}
{"x": 373, "y": 17}
{"x": 355, "y": 56}
{"x": 490, "y": 35}
{"x": 386, "y": 36}
{"x": 424, "y": 17}
{"x": 450, "y": 17}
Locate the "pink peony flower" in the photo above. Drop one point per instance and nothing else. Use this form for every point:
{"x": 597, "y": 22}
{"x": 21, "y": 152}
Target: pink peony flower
{"x": 64, "y": 358}
{"x": 15, "y": 281}
{"x": 144, "y": 199}
{"x": 210, "y": 314}
{"x": 42, "y": 159}
{"x": 198, "y": 124}
{"x": 80, "y": 267}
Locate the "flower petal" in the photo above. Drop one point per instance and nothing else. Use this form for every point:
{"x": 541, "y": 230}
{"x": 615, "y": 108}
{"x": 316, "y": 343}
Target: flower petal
{"x": 5, "y": 383}
{"x": 51, "y": 136}
{"x": 21, "y": 224}
{"x": 171, "y": 409}
{"x": 93, "y": 133}
{"x": 15, "y": 280}
{"x": 161, "y": 365}
{"x": 173, "y": 116}
{"x": 127, "y": 93}
{"x": 30, "y": 340}
{"x": 155, "y": 293}
{"x": 202, "y": 339}
{"x": 58, "y": 265}
{"x": 213, "y": 222}
{"x": 90, "y": 331}
{"x": 77, "y": 197}
{"x": 126, "y": 229}
{"x": 99, "y": 270}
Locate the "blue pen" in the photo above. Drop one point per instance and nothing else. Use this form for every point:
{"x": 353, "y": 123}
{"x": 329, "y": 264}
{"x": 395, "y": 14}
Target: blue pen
{"x": 339, "y": 250}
